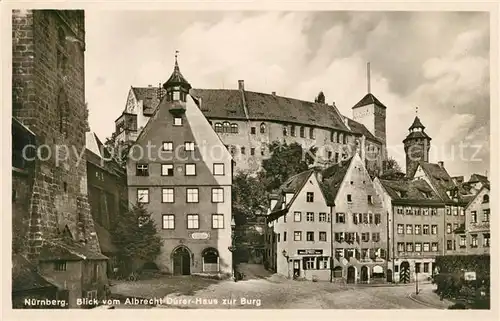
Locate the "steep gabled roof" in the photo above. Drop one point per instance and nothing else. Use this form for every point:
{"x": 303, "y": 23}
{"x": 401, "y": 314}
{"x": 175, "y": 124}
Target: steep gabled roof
{"x": 361, "y": 129}
{"x": 149, "y": 97}
{"x": 25, "y": 277}
{"x": 369, "y": 99}
{"x": 417, "y": 123}
{"x": 442, "y": 182}
{"x": 228, "y": 104}
{"x": 472, "y": 198}
{"x": 407, "y": 191}
{"x": 67, "y": 250}
{"x": 333, "y": 177}
{"x": 477, "y": 178}
{"x": 292, "y": 185}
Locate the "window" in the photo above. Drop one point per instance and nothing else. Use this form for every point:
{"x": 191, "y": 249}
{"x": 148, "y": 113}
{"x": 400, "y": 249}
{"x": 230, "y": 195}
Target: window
{"x": 365, "y": 237}
{"x": 355, "y": 218}
{"x": 473, "y": 242}
{"x": 417, "y": 211}
{"x": 322, "y": 263}
{"x": 434, "y": 247}
{"x": 192, "y": 195}
{"x": 425, "y": 229}
{"x": 340, "y": 218}
{"x": 409, "y": 247}
{"x": 285, "y": 130}
{"x": 219, "y": 169}
{"x": 168, "y": 221}
{"x": 252, "y": 151}
{"x": 370, "y": 218}
{"x": 252, "y": 130}
{"x": 455, "y": 211}
{"x": 302, "y": 131}
{"x": 167, "y": 169}
{"x": 189, "y": 146}
{"x": 426, "y": 267}
{"x": 486, "y": 240}
{"x": 311, "y": 133}
{"x": 234, "y": 128}
{"x": 190, "y": 169}
{"x": 448, "y": 211}
{"x": 176, "y": 95}
{"x": 142, "y": 170}
{"x": 218, "y": 221}
{"x": 262, "y": 151}
{"x": 417, "y": 267}
{"x": 310, "y": 236}
{"x": 418, "y": 229}
{"x": 378, "y": 218}
{"x": 217, "y": 195}
{"x": 297, "y": 236}
{"x": 178, "y": 121}
{"x": 322, "y": 217}
{"x": 297, "y": 216}
{"x": 143, "y": 195}
{"x": 322, "y": 236}
{"x": 418, "y": 247}
{"x": 455, "y": 226}
{"x": 486, "y": 215}
{"x": 425, "y": 211}
{"x": 60, "y": 266}
{"x": 243, "y": 151}
{"x": 448, "y": 228}
{"x": 376, "y": 237}
{"x": 284, "y": 217}
{"x": 486, "y": 199}
{"x": 218, "y": 127}
{"x": 167, "y": 195}
{"x": 449, "y": 245}
{"x": 434, "y": 229}
{"x": 462, "y": 241}
{"x": 168, "y": 146}
{"x": 401, "y": 228}
{"x": 409, "y": 229}
{"x": 310, "y": 197}
{"x": 262, "y": 128}
{"x": 365, "y": 218}
{"x": 309, "y": 263}
{"x": 226, "y": 127}
{"x": 349, "y": 198}
{"x": 328, "y": 217}
{"x": 401, "y": 247}
{"x": 284, "y": 236}
{"x": 310, "y": 217}
{"x": 434, "y": 211}
{"x": 345, "y": 139}
{"x": 333, "y": 136}
{"x": 292, "y": 130}
{"x": 369, "y": 199}
{"x": 193, "y": 221}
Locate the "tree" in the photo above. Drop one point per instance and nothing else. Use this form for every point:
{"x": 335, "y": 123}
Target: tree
{"x": 118, "y": 150}
{"x": 135, "y": 235}
{"x": 392, "y": 170}
{"x": 285, "y": 161}
{"x": 248, "y": 195}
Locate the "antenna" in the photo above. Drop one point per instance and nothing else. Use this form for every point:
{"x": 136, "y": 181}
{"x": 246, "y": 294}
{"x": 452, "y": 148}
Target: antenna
{"x": 368, "y": 77}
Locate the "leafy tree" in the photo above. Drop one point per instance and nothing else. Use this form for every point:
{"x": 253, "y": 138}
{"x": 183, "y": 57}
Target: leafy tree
{"x": 285, "y": 161}
{"x": 119, "y": 151}
{"x": 135, "y": 236}
{"x": 248, "y": 195}
{"x": 392, "y": 170}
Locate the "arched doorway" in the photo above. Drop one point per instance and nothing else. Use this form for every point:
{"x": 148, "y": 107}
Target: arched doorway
{"x": 404, "y": 272}
{"x": 389, "y": 275}
{"x": 182, "y": 261}
{"x": 351, "y": 274}
{"x": 210, "y": 258}
{"x": 364, "y": 273}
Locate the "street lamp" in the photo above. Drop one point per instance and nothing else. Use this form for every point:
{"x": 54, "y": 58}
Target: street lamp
{"x": 416, "y": 280}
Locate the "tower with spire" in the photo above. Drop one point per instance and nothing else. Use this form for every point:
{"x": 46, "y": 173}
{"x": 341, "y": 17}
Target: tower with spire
{"x": 177, "y": 87}
{"x": 417, "y": 145}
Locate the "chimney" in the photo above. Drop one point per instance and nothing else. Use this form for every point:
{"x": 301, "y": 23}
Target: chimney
{"x": 274, "y": 93}
{"x": 149, "y": 86}
{"x": 441, "y": 164}
{"x": 241, "y": 84}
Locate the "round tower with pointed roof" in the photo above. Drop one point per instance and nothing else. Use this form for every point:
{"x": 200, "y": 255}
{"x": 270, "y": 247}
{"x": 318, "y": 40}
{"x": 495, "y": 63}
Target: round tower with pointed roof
{"x": 417, "y": 145}
{"x": 177, "y": 86}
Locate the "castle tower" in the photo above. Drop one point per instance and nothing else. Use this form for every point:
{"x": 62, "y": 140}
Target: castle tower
{"x": 370, "y": 112}
{"x": 417, "y": 145}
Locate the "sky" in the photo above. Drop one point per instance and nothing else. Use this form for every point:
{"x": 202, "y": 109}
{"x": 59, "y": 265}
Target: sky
{"x": 436, "y": 61}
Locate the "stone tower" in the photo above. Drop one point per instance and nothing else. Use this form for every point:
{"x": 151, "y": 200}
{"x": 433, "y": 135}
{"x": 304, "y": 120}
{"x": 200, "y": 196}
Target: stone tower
{"x": 417, "y": 145}
{"x": 48, "y": 97}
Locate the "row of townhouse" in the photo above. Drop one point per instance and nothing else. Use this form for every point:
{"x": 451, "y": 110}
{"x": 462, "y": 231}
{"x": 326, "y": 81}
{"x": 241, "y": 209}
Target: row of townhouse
{"x": 340, "y": 224}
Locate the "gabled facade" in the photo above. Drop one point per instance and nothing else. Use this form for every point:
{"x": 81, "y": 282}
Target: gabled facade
{"x": 415, "y": 227}
{"x": 185, "y": 182}
{"x": 474, "y": 238}
{"x": 355, "y": 232}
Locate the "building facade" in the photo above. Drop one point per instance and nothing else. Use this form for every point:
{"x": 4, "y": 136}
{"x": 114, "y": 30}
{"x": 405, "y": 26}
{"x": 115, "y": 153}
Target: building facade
{"x": 248, "y": 122}
{"x": 48, "y": 101}
{"x": 474, "y": 238}
{"x": 185, "y": 182}
{"x": 416, "y": 228}
{"x": 332, "y": 214}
